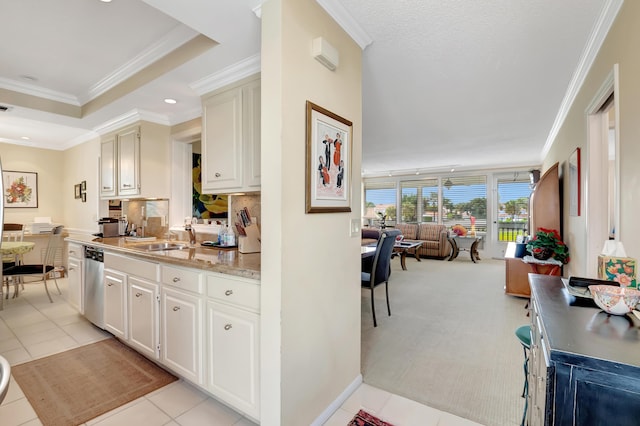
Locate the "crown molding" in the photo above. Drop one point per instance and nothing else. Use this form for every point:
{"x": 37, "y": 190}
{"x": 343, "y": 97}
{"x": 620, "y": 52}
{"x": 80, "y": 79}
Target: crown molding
{"x": 40, "y": 92}
{"x": 228, "y": 75}
{"x": 185, "y": 116}
{"x": 594, "y": 43}
{"x": 171, "y": 41}
{"x": 258, "y": 11}
{"x": 339, "y": 13}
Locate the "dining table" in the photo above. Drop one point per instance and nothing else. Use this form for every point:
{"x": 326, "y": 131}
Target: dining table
{"x": 13, "y": 248}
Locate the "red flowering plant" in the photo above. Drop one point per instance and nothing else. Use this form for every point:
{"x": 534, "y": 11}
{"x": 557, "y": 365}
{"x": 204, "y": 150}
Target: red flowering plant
{"x": 547, "y": 243}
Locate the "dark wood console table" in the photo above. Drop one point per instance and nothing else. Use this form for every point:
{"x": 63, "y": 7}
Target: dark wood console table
{"x": 584, "y": 367}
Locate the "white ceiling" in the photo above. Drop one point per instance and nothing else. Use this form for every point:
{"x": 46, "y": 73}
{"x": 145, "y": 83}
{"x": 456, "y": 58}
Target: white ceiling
{"x": 446, "y": 83}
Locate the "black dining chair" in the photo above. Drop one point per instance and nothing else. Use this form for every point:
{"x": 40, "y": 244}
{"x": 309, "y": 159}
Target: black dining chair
{"x": 39, "y": 271}
{"x": 380, "y": 268}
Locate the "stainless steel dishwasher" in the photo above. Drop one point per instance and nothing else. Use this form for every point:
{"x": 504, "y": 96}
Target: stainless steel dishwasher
{"x": 94, "y": 285}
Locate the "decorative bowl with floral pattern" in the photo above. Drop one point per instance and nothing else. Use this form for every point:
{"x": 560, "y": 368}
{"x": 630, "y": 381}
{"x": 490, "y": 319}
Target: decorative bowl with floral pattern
{"x": 615, "y": 300}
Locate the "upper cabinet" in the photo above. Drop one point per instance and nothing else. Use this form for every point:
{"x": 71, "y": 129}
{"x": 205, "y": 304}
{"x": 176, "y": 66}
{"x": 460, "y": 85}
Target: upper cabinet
{"x": 129, "y": 161}
{"x": 108, "y": 167}
{"x": 231, "y": 139}
{"x": 134, "y": 161}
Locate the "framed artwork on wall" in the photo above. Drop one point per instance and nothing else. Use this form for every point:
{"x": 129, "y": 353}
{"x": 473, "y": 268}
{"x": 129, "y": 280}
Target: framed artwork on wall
{"x": 574, "y": 183}
{"x": 328, "y": 161}
{"x": 20, "y": 189}
{"x": 77, "y": 190}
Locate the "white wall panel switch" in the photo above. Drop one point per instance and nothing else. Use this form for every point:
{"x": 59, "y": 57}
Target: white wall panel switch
{"x": 355, "y": 227}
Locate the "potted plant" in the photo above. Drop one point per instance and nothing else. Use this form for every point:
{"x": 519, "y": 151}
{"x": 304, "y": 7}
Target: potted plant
{"x": 548, "y": 244}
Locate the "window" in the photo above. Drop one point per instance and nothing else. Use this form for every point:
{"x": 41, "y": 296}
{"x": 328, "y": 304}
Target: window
{"x": 379, "y": 198}
{"x": 419, "y": 201}
{"x": 464, "y": 202}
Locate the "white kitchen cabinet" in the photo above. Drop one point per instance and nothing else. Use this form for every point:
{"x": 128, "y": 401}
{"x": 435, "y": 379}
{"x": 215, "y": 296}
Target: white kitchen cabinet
{"x": 143, "y": 302}
{"x": 181, "y": 340}
{"x": 108, "y": 167}
{"x": 231, "y": 139}
{"x": 233, "y": 361}
{"x": 129, "y": 161}
{"x": 233, "y": 341}
{"x": 75, "y": 270}
{"x": 115, "y": 313}
{"x": 120, "y": 163}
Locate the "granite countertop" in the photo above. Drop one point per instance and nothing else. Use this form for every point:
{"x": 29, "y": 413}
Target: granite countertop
{"x": 227, "y": 261}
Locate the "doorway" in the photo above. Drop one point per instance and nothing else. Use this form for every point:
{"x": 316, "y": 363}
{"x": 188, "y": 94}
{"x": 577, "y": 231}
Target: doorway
{"x": 511, "y": 217}
{"x": 602, "y": 195}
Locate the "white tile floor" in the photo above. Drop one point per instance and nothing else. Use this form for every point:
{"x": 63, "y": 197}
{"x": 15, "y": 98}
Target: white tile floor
{"x": 31, "y": 327}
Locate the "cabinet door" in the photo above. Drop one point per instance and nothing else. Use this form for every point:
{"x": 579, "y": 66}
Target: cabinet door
{"x": 75, "y": 283}
{"x": 142, "y": 311}
{"x": 181, "y": 342}
{"x": 114, "y": 303}
{"x": 108, "y": 167}
{"x": 129, "y": 161}
{"x": 251, "y": 135}
{"x": 222, "y": 142}
{"x": 233, "y": 347}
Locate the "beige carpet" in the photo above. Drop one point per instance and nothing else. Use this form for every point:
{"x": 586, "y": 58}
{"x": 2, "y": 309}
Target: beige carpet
{"x": 450, "y": 341}
{"x": 72, "y": 387}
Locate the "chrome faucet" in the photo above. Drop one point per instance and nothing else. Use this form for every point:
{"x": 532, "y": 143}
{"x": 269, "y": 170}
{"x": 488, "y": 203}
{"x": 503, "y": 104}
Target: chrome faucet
{"x": 192, "y": 234}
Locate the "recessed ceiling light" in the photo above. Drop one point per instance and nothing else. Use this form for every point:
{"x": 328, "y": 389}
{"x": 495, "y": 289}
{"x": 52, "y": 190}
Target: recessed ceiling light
{"x": 26, "y": 138}
{"x": 170, "y": 101}
{"x": 105, "y": 1}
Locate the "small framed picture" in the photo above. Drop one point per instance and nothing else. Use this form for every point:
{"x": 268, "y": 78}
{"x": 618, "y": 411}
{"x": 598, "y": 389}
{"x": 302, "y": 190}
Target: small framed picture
{"x": 83, "y": 186}
{"x": 84, "y": 197}
{"x": 20, "y": 189}
{"x": 77, "y": 191}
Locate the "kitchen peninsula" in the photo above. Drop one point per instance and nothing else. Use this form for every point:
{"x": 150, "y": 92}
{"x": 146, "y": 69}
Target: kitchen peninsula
{"x": 194, "y": 310}
{"x": 209, "y": 259}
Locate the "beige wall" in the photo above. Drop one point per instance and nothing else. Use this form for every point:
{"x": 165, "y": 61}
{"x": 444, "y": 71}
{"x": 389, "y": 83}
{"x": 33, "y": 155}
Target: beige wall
{"x": 155, "y": 153}
{"x": 310, "y": 264}
{"x": 619, "y": 47}
{"x": 81, "y": 163}
{"x": 50, "y": 167}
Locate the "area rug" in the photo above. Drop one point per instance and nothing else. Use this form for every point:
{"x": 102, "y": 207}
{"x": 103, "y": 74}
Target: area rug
{"x": 72, "y": 387}
{"x": 365, "y": 419}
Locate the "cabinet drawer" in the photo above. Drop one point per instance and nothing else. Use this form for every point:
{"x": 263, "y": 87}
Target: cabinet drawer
{"x": 131, "y": 266}
{"x": 74, "y": 250}
{"x": 234, "y": 290}
{"x": 185, "y": 279}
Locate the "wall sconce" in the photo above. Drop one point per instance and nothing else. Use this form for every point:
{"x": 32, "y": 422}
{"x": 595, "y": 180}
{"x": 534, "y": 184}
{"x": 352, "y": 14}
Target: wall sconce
{"x": 325, "y": 53}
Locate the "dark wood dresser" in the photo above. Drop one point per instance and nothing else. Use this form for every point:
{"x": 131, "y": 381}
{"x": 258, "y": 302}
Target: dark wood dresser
{"x": 584, "y": 365}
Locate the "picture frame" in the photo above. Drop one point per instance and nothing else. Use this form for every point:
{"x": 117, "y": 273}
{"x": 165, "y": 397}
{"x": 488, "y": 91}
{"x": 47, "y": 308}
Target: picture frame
{"x": 77, "y": 192}
{"x": 20, "y": 189}
{"x": 83, "y": 186}
{"x": 329, "y": 143}
{"x": 574, "y": 183}
{"x": 84, "y": 197}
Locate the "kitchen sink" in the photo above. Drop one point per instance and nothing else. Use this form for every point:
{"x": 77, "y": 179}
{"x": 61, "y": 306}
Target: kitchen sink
{"x": 162, "y": 246}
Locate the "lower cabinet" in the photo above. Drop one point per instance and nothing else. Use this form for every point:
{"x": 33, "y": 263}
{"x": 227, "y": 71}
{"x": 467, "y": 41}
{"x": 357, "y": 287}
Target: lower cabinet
{"x": 115, "y": 306}
{"x": 209, "y": 337}
{"x": 233, "y": 336}
{"x": 75, "y": 268}
{"x": 143, "y": 300}
{"x": 181, "y": 334}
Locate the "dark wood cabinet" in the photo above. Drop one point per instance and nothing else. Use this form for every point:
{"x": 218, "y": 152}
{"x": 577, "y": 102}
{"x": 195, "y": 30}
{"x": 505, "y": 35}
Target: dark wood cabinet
{"x": 544, "y": 212}
{"x": 584, "y": 364}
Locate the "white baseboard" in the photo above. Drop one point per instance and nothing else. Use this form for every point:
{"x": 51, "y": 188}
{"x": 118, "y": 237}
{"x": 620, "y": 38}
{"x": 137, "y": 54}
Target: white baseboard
{"x": 337, "y": 403}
